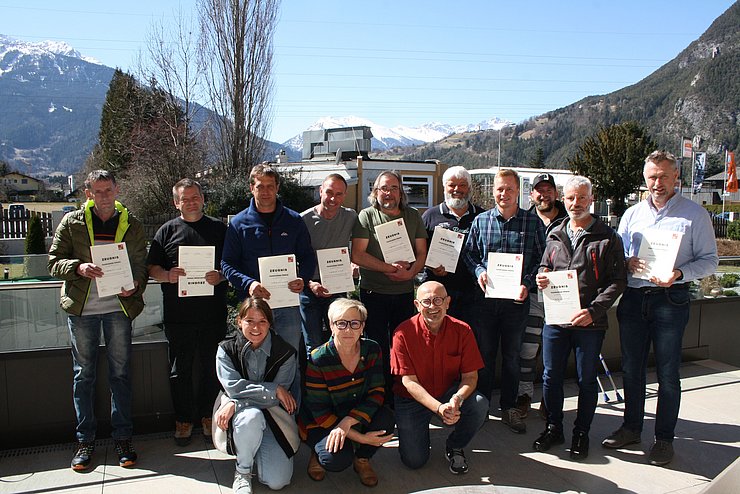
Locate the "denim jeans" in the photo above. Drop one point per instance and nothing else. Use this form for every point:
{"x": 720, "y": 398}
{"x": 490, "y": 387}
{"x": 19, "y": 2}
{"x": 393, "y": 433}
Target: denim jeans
{"x": 185, "y": 342}
{"x": 287, "y": 324}
{"x": 314, "y": 318}
{"x": 85, "y": 336}
{"x": 660, "y": 318}
{"x": 500, "y": 320}
{"x": 339, "y": 461}
{"x": 412, "y": 419}
{"x": 255, "y": 443}
{"x": 384, "y": 314}
{"x": 462, "y": 304}
{"x": 557, "y": 342}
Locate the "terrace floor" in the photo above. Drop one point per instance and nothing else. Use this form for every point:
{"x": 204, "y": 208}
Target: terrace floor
{"x": 708, "y": 441}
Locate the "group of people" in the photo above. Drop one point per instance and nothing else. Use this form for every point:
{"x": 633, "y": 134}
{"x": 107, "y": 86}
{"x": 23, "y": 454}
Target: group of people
{"x": 403, "y": 354}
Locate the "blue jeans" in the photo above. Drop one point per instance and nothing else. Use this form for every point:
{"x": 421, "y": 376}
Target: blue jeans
{"x": 660, "y": 318}
{"x": 287, "y": 324}
{"x": 186, "y": 341}
{"x": 339, "y": 461}
{"x": 85, "y": 335}
{"x": 412, "y": 420}
{"x": 314, "y": 318}
{"x": 255, "y": 443}
{"x": 462, "y": 304}
{"x": 384, "y": 314}
{"x": 500, "y": 320}
{"x": 557, "y": 342}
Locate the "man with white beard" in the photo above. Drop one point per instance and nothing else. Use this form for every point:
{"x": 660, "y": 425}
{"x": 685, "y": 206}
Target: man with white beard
{"x": 456, "y": 213}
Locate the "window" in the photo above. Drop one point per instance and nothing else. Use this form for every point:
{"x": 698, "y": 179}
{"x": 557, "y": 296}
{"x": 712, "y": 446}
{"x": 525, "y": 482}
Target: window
{"x": 418, "y": 190}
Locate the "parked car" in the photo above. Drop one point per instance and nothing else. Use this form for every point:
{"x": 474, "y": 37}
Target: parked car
{"x": 16, "y": 211}
{"x": 727, "y": 215}
{"x": 68, "y": 209}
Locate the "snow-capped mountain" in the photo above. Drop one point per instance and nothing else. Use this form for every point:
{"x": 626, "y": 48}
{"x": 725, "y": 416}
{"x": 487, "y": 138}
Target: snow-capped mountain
{"x": 385, "y": 138}
{"x": 15, "y": 53}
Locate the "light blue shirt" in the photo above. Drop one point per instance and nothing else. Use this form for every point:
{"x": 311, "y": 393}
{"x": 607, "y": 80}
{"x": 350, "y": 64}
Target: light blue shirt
{"x": 253, "y": 393}
{"x": 697, "y": 254}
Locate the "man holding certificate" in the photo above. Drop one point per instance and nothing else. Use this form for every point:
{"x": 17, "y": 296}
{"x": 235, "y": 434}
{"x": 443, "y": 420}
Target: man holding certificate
{"x": 102, "y": 220}
{"x": 514, "y": 239}
{"x": 185, "y": 257}
{"x": 590, "y": 256}
{"x": 268, "y": 229}
{"x": 330, "y": 226}
{"x": 656, "y": 310}
{"x": 387, "y": 285}
{"x": 455, "y": 214}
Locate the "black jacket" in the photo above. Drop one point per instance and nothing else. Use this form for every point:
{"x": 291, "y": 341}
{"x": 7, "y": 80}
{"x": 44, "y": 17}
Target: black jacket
{"x": 598, "y": 258}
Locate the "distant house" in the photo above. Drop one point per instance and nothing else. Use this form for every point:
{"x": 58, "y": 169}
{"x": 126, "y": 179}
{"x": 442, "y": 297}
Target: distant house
{"x": 17, "y": 184}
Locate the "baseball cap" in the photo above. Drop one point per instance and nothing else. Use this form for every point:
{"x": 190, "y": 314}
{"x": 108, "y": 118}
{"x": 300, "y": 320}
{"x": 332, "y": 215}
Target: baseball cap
{"x": 543, "y": 177}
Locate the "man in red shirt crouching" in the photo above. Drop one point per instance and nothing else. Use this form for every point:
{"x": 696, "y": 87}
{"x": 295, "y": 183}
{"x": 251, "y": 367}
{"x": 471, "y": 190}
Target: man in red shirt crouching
{"x": 435, "y": 362}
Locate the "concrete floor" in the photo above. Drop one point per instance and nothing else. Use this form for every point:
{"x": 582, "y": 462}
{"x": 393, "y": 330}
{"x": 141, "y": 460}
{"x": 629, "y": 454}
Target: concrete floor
{"x": 708, "y": 441}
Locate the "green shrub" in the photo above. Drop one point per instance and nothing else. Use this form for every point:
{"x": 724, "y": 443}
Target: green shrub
{"x": 729, "y": 280}
{"x": 730, "y": 293}
{"x": 733, "y": 230}
{"x": 35, "y": 237}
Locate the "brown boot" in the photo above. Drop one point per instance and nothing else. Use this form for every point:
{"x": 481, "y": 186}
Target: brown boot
{"x": 315, "y": 470}
{"x": 365, "y": 472}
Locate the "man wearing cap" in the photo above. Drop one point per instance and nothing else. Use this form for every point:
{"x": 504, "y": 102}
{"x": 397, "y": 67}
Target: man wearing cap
{"x": 657, "y": 310}
{"x": 545, "y": 204}
{"x": 330, "y": 226}
{"x": 456, "y": 213}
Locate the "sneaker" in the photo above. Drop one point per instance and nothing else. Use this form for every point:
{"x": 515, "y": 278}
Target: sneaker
{"x": 661, "y": 453}
{"x": 551, "y": 436}
{"x": 126, "y": 455}
{"x": 513, "y": 419}
{"x": 620, "y": 438}
{"x": 242, "y": 483}
{"x": 458, "y": 462}
{"x": 365, "y": 471}
{"x": 207, "y": 424}
{"x": 83, "y": 456}
{"x": 523, "y": 404}
{"x": 315, "y": 470}
{"x": 579, "y": 446}
{"x": 183, "y": 433}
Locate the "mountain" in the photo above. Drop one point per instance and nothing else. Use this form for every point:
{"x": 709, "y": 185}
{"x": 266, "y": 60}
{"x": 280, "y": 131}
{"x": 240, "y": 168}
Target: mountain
{"x": 386, "y": 139}
{"x": 51, "y": 98}
{"x": 696, "y": 93}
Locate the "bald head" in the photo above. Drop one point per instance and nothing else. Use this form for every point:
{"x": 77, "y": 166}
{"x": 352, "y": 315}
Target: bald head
{"x": 432, "y": 303}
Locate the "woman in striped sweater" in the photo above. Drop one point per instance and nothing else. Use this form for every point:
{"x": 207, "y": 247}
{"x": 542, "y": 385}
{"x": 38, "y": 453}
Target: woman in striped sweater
{"x": 342, "y": 417}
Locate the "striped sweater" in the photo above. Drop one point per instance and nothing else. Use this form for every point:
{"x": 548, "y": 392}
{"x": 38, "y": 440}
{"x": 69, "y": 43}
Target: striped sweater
{"x": 332, "y": 392}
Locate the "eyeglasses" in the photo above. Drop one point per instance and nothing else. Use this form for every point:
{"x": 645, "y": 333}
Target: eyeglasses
{"x": 387, "y": 190}
{"x": 428, "y": 302}
{"x": 344, "y": 324}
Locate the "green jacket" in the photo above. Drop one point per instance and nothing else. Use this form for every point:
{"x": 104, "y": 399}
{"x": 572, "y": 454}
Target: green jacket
{"x": 71, "y": 247}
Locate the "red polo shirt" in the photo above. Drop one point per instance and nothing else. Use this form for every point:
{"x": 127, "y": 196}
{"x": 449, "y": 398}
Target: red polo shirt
{"x": 436, "y": 360}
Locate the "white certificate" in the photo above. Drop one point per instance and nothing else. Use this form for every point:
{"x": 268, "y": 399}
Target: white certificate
{"x": 275, "y": 274}
{"x": 196, "y": 261}
{"x": 113, "y": 260}
{"x": 504, "y": 275}
{"x": 562, "y": 298}
{"x": 444, "y": 249}
{"x": 335, "y": 270}
{"x": 658, "y": 249}
{"x": 394, "y": 242}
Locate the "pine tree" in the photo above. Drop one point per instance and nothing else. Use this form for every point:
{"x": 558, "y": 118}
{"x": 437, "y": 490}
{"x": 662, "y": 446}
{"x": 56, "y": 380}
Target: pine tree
{"x": 35, "y": 237}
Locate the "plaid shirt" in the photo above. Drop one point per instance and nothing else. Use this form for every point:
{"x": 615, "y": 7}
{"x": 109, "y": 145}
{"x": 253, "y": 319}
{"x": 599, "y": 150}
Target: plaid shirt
{"x": 523, "y": 233}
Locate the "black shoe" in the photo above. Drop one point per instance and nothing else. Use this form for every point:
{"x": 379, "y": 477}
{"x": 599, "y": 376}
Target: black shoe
{"x": 552, "y": 435}
{"x": 579, "y": 446}
{"x": 458, "y": 462}
{"x": 126, "y": 455}
{"x": 661, "y": 453}
{"x": 83, "y": 456}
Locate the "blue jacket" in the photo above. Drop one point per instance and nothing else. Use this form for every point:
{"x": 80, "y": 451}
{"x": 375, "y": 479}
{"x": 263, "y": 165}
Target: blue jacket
{"x": 248, "y": 238}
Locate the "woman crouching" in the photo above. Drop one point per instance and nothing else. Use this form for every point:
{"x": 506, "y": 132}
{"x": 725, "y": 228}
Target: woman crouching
{"x": 342, "y": 417}
{"x": 256, "y": 368}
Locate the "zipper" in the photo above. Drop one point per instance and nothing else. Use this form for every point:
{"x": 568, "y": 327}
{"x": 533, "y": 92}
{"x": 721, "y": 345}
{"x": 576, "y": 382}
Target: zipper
{"x": 596, "y": 268}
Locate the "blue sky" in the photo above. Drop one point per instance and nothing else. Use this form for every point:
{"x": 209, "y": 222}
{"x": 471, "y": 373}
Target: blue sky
{"x": 410, "y": 62}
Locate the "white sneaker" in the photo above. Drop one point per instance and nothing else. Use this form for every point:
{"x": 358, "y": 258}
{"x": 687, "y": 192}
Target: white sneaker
{"x": 242, "y": 483}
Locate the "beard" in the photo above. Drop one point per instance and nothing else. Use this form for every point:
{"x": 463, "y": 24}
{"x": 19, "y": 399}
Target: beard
{"x": 544, "y": 207}
{"x": 455, "y": 202}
